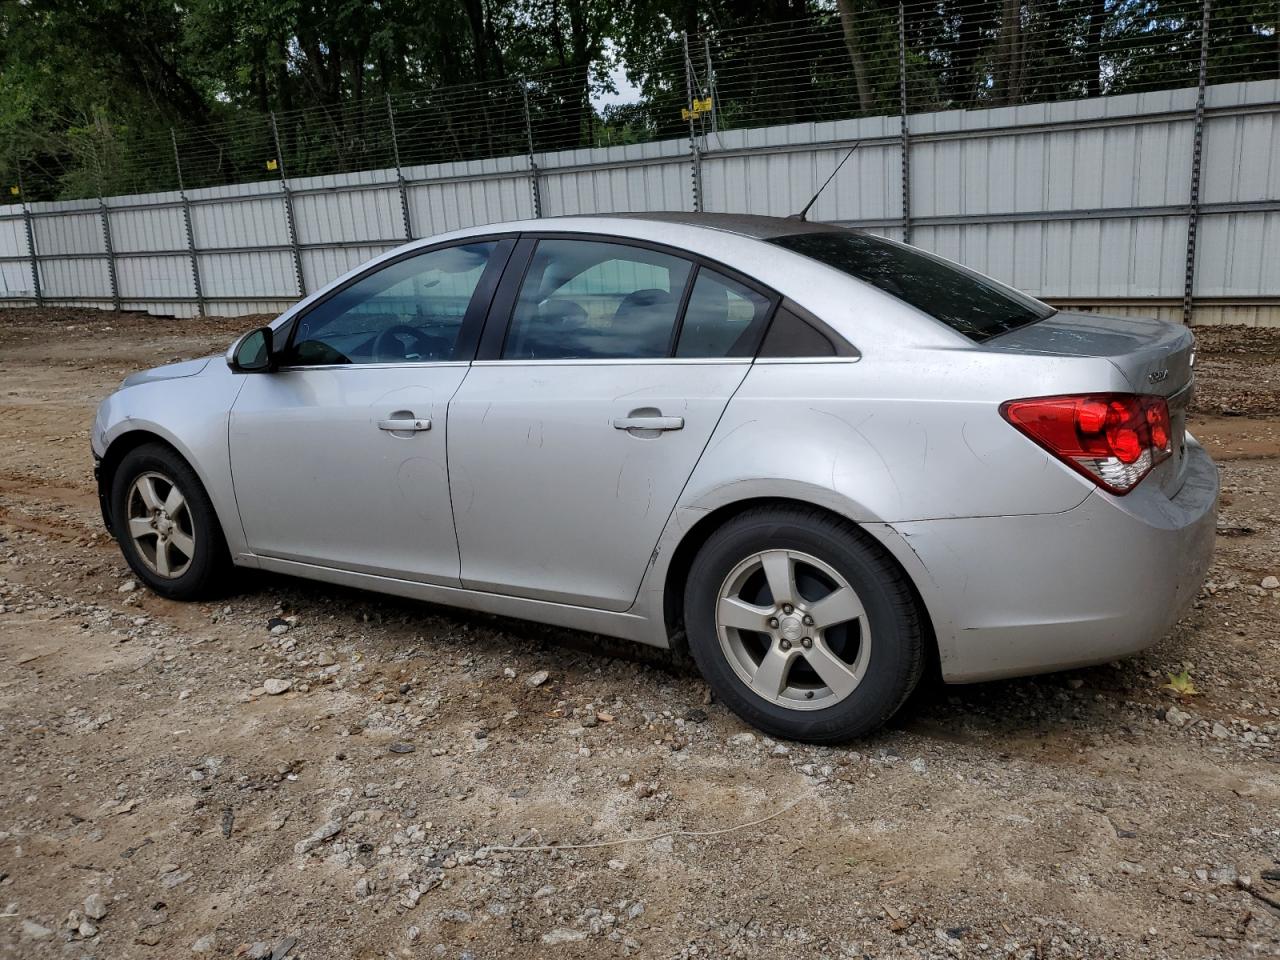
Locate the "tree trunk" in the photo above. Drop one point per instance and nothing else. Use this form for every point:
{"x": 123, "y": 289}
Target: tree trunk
{"x": 581, "y": 46}
{"x": 479, "y": 44}
{"x": 1008, "y": 52}
{"x": 260, "y": 93}
{"x": 961, "y": 82}
{"x": 852, "y": 43}
{"x": 284, "y": 91}
{"x": 1097, "y": 18}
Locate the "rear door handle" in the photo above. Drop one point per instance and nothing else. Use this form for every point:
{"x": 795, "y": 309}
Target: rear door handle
{"x": 404, "y": 426}
{"x": 648, "y": 423}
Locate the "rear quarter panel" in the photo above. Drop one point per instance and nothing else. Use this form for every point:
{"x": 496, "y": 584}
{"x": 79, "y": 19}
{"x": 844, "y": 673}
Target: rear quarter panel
{"x": 896, "y": 436}
{"x": 909, "y": 436}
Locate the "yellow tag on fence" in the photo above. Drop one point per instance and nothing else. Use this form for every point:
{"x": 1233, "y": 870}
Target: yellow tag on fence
{"x": 15, "y": 191}
{"x": 699, "y": 108}
{"x": 272, "y": 165}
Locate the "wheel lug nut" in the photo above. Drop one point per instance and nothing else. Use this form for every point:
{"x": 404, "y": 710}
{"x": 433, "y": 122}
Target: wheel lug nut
{"x": 807, "y": 642}
{"x": 787, "y": 608}
{"x": 808, "y": 620}
{"x": 773, "y": 623}
{"x": 785, "y": 644}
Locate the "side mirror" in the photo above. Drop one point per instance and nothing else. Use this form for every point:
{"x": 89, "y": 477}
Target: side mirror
{"x": 253, "y": 353}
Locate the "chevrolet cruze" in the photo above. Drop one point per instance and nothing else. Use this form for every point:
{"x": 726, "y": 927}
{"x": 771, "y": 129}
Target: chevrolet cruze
{"x": 819, "y": 458}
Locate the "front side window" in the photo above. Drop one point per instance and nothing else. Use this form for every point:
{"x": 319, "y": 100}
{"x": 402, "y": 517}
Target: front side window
{"x": 970, "y": 304}
{"x": 410, "y": 311}
{"x": 588, "y": 299}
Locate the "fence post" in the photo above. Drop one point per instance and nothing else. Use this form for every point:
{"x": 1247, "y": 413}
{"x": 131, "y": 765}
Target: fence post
{"x": 31, "y": 241}
{"x": 288, "y": 208}
{"x": 186, "y": 223}
{"x": 906, "y": 133}
{"x": 104, "y": 218}
{"x": 1197, "y": 145}
{"x": 395, "y": 152}
{"x": 533, "y": 164}
{"x": 694, "y": 152}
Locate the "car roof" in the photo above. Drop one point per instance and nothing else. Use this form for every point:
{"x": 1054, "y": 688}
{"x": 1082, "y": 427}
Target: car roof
{"x": 744, "y": 224}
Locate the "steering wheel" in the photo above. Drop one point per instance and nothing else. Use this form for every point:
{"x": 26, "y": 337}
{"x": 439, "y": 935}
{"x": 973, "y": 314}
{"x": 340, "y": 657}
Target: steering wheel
{"x": 391, "y": 345}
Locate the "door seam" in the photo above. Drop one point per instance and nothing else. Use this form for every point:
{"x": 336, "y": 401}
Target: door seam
{"x": 675, "y": 504}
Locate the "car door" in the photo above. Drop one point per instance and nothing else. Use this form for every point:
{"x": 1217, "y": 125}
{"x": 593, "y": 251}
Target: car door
{"x": 602, "y": 375}
{"x": 339, "y": 456}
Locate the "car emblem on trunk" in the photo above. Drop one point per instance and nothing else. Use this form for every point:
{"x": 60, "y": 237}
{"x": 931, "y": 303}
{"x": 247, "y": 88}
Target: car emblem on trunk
{"x": 1157, "y": 376}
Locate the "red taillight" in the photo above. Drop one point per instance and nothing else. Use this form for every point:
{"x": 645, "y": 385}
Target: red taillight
{"x": 1114, "y": 439}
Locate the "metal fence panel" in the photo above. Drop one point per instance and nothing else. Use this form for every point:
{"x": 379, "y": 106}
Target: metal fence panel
{"x": 76, "y": 280}
{"x": 267, "y": 275}
{"x": 143, "y": 279}
{"x": 651, "y": 187}
{"x": 141, "y": 227}
{"x": 453, "y": 204}
{"x": 353, "y": 215}
{"x": 1241, "y": 152}
{"x": 329, "y": 263}
{"x": 15, "y": 274}
{"x": 1080, "y": 201}
{"x": 775, "y": 171}
{"x": 1235, "y": 251}
{"x": 62, "y": 233}
{"x": 239, "y": 223}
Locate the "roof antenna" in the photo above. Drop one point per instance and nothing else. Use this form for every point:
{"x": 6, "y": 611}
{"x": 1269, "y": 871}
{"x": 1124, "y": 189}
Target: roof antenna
{"x": 800, "y": 215}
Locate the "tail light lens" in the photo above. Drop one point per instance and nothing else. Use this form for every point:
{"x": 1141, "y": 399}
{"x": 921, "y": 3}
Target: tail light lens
{"x": 1114, "y": 439}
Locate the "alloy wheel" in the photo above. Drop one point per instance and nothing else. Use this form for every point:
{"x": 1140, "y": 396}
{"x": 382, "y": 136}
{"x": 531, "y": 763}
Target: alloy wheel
{"x": 160, "y": 525}
{"x": 793, "y": 629}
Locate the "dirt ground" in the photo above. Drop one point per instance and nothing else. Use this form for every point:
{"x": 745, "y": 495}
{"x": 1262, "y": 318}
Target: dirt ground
{"x": 156, "y": 803}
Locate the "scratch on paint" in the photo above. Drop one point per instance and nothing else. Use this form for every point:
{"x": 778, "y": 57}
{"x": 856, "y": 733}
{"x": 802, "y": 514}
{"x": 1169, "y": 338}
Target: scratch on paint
{"x": 870, "y": 446}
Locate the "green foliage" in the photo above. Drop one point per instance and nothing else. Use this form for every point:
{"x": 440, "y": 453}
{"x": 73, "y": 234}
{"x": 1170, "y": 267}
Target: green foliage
{"x": 91, "y": 90}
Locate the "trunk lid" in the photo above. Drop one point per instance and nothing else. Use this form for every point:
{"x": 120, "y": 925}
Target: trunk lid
{"x": 1153, "y": 356}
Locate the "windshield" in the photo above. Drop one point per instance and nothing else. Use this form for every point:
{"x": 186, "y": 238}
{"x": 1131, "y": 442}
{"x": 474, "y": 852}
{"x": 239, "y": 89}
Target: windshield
{"x": 968, "y": 303}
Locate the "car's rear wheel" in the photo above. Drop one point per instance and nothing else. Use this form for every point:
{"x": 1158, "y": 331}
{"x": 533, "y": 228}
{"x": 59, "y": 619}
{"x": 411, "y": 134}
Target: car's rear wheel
{"x": 166, "y": 524}
{"x": 803, "y": 625}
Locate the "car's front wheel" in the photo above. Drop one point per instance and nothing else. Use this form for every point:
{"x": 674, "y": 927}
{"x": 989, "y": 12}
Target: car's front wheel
{"x": 802, "y": 624}
{"x": 166, "y": 525}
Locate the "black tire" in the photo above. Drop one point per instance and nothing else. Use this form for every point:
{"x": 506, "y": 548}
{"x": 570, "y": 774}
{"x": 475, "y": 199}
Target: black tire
{"x": 206, "y": 573}
{"x": 896, "y": 653}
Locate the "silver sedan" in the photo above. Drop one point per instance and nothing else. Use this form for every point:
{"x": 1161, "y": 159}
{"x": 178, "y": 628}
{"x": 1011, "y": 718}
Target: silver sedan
{"x": 824, "y": 461}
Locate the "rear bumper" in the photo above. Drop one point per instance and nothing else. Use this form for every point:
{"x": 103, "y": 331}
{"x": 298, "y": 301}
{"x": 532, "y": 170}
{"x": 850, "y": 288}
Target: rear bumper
{"x": 1030, "y": 594}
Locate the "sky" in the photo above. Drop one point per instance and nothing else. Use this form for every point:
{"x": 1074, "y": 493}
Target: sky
{"x": 627, "y": 91}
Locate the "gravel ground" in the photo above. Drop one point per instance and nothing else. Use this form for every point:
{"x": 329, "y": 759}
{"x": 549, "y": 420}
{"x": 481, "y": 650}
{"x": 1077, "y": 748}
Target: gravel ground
{"x": 159, "y": 799}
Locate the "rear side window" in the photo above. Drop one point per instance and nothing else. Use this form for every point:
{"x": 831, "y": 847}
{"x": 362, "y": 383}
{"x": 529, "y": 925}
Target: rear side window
{"x": 792, "y": 336}
{"x": 586, "y": 299}
{"x": 724, "y": 318}
{"x": 970, "y": 304}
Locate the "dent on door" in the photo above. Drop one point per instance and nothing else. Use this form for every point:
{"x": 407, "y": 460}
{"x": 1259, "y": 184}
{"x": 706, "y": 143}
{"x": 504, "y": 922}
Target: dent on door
{"x": 404, "y": 415}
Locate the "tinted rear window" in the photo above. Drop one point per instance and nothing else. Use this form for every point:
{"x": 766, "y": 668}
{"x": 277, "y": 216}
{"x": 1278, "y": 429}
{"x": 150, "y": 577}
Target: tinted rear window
{"x": 972, "y": 305}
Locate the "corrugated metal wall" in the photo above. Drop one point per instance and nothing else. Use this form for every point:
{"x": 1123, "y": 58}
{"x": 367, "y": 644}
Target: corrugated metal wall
{"x": 1081, "y": 202}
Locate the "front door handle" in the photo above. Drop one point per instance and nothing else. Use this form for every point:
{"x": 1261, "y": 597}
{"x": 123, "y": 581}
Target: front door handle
{"x": 405, "y": 426}
{"x": 648, "y": 423}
